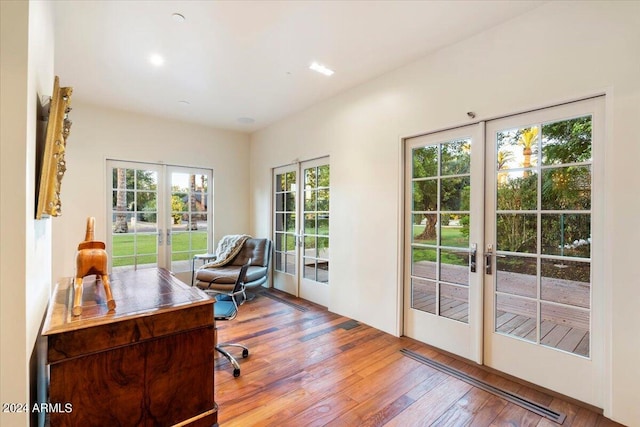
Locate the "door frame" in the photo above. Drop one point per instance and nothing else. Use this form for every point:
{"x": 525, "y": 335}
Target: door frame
{"x": 310, "y": 289}
{"x": 110, "y": 165}
{"x": 293, "y": 284}
{"x": 468, "y": 346}
{"x": 163, "y": 191}
{"x": 290, "y": 282}
{"x": 168, "y": 171}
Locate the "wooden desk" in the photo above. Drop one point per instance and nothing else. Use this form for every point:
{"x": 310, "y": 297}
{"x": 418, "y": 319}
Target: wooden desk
{"x": 149, "y": 363}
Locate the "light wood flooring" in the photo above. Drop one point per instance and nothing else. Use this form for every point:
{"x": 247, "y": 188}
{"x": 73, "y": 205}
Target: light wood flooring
{"x": 310, "y": 367}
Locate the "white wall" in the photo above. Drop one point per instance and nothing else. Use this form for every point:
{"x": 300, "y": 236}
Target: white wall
{"x": 26, "y": 34}
{"x": 99, "y": 133}
{"x": 558, "y": 52}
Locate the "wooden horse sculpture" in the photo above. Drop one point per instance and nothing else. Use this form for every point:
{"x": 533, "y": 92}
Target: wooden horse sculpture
{"x": 91, "y": 258}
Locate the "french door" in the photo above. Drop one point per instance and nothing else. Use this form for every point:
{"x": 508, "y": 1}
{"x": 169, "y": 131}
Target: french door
{"x": 443, "y": 235}
{"x": 160, "y": 215}
{"x": 535, "y": 299}
{"x": 301, "y": 229}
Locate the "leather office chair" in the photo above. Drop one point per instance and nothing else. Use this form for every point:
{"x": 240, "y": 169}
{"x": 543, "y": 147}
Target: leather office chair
{"x": 222, "y": 279}
{"x": 226, "y": 308}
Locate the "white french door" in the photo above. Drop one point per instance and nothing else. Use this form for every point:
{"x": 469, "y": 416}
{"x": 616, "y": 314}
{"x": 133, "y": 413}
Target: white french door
{"x": 443, "y": 235}
{"x": 301, "y": 229}
{"x": 160, "y": 215}
{"x": 190, "y": 221}
{"x": 134, "y": 194}
{"x": 285, "y": 226}
{"x": 544, "y": 310}
{"x": 535, "y": 301}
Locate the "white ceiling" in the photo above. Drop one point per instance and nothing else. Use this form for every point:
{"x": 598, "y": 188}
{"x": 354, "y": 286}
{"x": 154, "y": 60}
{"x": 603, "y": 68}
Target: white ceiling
{"x": 249, "y": 59}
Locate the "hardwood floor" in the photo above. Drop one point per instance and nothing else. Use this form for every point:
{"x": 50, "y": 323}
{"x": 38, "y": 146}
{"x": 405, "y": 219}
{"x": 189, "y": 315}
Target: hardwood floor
{"x": 310, "y": 367}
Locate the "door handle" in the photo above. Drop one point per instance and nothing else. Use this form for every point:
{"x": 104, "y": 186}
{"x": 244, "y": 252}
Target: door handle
{"x": 488, "y": 259}
{"x": 472, "y": 257}
{"x": 160, "y": 234}
{"x": 168, "y": 237}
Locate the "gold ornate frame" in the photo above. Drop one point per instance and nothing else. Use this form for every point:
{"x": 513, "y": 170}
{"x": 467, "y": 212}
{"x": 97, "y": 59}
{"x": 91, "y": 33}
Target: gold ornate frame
{"x": 53, "y": 163}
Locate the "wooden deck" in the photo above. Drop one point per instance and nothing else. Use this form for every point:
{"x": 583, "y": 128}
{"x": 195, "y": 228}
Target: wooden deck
{"x": 452, "y": 306}
{"x": 310, "y": 367}
{"x": 552, "y": 334}
{"x": 564, "y": 309}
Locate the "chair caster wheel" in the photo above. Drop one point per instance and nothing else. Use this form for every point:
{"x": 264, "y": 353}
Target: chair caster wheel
{"x": 236, "y": 373}
{"x": 245, "y": 353}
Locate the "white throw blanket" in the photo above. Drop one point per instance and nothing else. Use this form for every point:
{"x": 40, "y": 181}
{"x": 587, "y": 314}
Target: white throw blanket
{"x": 228, "y": 247}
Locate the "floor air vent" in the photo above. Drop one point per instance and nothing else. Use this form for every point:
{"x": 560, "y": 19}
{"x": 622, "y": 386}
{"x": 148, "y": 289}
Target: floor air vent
{"x": 541, "y": 410}
{"x": 268, "y": 294}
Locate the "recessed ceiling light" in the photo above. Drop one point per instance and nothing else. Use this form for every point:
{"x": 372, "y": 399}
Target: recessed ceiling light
{"x": 178, "y": 17}
{"x": 156, "y": 60}
{"x": 321, "y": 69}
{"x": 246, "y": 120}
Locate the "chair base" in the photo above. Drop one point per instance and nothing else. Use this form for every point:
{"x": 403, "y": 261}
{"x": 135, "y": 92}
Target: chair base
{"x": 230, "y": 358}
{"x": 220, "y": 296}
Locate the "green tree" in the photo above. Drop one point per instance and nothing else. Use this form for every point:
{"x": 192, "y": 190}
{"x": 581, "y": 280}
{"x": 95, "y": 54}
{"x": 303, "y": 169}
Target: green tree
{"x": 564, "y": 185}
{"x": 425, "y": 192}
{"x": 146, "y": 185}
{"x": 135, "y": 191}
{"x": 567, "y": 141}
{"x": 149, "y": 213}
{"x": 453, "y": 158}
{"x": 177, "y": 207}
{"x": 567, "y": 185}
{"x": 465, "y": 219}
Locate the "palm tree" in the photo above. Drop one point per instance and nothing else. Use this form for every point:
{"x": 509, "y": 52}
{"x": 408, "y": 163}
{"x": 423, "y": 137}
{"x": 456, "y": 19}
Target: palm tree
{"x": 193, "y": 224}
{"x": 527, "y": 140}
{"x": 504, "y": 157}
{"x": 203, "y": 202}
{"x": 121, "y": 202}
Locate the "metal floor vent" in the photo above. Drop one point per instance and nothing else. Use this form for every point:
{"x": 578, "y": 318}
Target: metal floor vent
{"x": 541, "y": 410}
{"x": 349, "y": 324}
{"x": 283, "y": 301}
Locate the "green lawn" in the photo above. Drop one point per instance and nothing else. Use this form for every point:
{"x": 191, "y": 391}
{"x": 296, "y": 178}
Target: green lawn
{"x": 141, "y": 248}
{"x": 450, "y": 236}
{"x": 458, "y": 258}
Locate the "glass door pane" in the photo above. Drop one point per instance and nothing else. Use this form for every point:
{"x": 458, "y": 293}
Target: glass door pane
{"x": 316, "y": 224}
{"x": 160, "y": 215}
{"x": 134, "y": 217}
{"x": 285, "y": 226}
{"x": 301, "y": 229}
{"x": 285, "y": 235}
{"x": 543, "y": 233}
{"x": 314, "y": 208}
{"x": 443, "y": 234}
{"x": 544, "y": 311}
{"x": 189, "y": 219}
{"x": 440, "y": 227}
